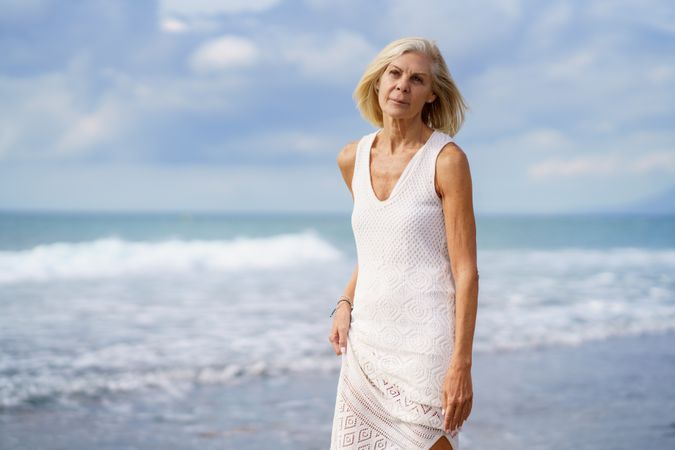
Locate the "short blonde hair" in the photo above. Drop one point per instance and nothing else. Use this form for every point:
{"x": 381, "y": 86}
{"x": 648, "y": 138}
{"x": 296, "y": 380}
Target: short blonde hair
{"x": 445, "y": 113}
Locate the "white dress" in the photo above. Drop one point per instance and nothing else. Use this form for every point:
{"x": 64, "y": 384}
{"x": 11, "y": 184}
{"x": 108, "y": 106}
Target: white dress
{"x": 401, "y": 336}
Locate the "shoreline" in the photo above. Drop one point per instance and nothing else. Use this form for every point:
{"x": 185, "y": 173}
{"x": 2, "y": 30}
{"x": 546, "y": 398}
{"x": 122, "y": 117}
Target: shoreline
{"x": 616, "y": 393}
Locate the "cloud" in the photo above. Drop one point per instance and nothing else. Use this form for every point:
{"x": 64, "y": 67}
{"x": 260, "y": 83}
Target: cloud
{"x": 533, "y": 141}
{"x": 197, "y": 187}
{"x": 33, "y": 113}
{"x": 338, "y": 57}
{"x": 224, "y": 53}
{"x": 652, "y": 14}
{"x": 590, "y": 165}
{"x": 172, "y": 25}
{"x": 88, "y": 130}
{"x": 173, "y": 94}
{"x": 11, "y": 10}
{"x": 268, "y": 148}
{"x": 53, "y": 116}
{"x": 548, "y": 27}
{"x": 556, "y": 93}
{"x": 461, "y": 29}
{"x": 292, "y": 142}
{"x": 584, "y": 89}
{"x": 195, "y": 8}
{"x": 604, "y": 165}
{"x": 206, "y": 15}
{"x": 654, "y": 162}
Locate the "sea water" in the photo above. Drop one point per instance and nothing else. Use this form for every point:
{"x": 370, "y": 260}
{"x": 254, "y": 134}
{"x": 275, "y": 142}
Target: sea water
{"x": 93, "y": 306}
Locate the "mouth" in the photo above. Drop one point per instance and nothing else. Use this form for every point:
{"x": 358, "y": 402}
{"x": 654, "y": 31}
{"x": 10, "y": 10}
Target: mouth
{"x": 398, "y": 102}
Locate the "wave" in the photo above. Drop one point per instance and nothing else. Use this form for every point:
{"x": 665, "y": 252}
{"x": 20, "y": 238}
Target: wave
{"x": 46, "y": 386}
{"x": 49, "y": 387}
{"x": 113, "y": 257}
{"x": 175, "y": 337}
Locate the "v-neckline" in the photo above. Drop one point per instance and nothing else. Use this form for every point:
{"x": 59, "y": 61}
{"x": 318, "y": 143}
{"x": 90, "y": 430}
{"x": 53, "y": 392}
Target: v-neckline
{"x": 406, "y": 169}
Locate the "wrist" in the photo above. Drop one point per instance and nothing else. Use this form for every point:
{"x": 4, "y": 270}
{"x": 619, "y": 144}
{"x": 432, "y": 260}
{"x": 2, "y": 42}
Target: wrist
{"x": 343, "y": 305}
{"x": 341, "y": 300}
{"x": 460, "y": 363}
{"x": 345, "y": 299}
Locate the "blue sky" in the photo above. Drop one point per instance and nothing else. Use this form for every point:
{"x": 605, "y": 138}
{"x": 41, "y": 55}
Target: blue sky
{"x": 208, "y": 105}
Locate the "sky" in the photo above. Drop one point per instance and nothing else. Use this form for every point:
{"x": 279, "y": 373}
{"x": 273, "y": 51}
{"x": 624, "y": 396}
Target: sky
{"x": 243, "y": 105}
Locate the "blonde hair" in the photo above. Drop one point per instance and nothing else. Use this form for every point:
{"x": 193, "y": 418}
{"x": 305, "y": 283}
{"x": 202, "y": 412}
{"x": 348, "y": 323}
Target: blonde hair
{"x": 445, "y": 113}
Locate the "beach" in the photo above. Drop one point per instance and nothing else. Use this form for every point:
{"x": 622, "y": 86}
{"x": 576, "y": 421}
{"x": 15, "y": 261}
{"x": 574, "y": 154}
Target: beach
{"x": 616, "y": 393}
{"x": 189, "y": 190}
{"x": 210, "y": 332}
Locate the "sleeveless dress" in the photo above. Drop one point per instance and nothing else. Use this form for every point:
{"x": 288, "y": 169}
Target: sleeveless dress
{"x": 401, "y": 335}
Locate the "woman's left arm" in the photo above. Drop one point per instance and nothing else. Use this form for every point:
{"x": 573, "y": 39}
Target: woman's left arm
{"x": 453, "y": 177}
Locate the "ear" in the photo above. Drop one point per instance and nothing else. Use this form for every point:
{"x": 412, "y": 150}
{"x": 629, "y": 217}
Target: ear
{"x": 432, "y": 98}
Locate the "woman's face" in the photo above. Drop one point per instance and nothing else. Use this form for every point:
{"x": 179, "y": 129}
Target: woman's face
{"x": 405, "y": 86}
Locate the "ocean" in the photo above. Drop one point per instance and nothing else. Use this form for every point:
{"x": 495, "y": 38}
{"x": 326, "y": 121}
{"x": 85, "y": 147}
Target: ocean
{"x": 116, "y": 312}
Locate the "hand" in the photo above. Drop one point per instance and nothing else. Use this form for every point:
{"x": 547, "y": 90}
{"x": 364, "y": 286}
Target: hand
{"x": 457, "y": 397}
{"x": 340, "y": 328}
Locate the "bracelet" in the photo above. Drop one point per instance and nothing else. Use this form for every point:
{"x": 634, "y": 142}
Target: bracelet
{"x": 344, "y": 298}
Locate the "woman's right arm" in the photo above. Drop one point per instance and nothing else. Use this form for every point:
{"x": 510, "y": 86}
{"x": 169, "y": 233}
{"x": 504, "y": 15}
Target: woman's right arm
{"x": 343, "y": 315}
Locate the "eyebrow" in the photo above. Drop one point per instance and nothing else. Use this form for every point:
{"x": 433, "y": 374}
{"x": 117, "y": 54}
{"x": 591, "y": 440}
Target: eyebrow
{"x": 416, "y": 73}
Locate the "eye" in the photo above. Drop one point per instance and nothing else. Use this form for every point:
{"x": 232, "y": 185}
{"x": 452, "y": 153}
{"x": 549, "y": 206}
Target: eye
{"x": 417, "y": 78}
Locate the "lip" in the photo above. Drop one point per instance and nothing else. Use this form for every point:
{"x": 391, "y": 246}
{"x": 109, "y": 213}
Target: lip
{"x": 399, "y": 102}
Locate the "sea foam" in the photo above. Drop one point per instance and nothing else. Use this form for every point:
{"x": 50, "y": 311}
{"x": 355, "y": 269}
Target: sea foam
{"x": 112, "y": 256}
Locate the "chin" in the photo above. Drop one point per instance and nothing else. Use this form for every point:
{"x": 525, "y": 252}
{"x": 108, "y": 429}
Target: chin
{"x": 398, "y": 114}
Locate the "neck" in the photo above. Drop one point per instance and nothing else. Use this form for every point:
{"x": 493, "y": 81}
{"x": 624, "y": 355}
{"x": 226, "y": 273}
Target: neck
{"x": 400, "y": 134}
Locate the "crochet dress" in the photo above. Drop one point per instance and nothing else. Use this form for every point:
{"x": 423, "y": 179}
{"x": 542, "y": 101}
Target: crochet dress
{"x": 401, "y": 335}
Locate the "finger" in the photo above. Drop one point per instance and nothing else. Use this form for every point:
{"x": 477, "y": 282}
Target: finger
{"x": 343, "y": 341}
{"x": 463, "y": 414}
{"x": 448, "y": 423}
{"x": 449, "y": 413}
{"x": 457, "y": 416}
{"x": 467, "y": 410}
{"x": 334, "y": 342}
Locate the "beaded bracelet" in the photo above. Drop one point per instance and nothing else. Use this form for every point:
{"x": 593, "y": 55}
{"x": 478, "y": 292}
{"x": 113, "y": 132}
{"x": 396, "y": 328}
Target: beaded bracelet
{"x": 344, "y": 298}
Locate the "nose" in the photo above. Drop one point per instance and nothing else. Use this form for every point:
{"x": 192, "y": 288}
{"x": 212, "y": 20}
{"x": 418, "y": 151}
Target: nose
{"x": 403, "y": 85}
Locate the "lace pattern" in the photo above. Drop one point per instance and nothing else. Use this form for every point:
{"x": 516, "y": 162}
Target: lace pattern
{"x": 402, "y": 331}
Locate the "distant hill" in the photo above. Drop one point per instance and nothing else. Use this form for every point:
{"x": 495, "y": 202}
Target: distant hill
{"x": 660, "y": 203}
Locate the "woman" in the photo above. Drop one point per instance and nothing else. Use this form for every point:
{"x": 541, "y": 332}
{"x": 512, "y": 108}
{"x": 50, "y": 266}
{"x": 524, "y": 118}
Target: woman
{"x": 405, "y": 323}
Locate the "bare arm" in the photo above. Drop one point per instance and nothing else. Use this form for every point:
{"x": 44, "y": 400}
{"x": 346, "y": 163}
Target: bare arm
{"x": 351, "y": 284}
{"x": 343, "y": 315}
{"x": 345, "y": 161}
{"x": 454, "y": 182}
{"x": 454, "y": 186}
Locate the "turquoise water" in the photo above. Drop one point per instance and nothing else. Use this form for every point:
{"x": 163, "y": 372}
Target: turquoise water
{"x": 25, "y": 230}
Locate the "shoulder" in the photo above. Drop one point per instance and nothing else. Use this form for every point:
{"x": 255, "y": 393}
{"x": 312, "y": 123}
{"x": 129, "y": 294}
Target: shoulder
{"x": 451, "y": 157}
{"x": 452, "y": 169}
{"x": 347, "y": 155}
{"x": 345, "y": 159}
